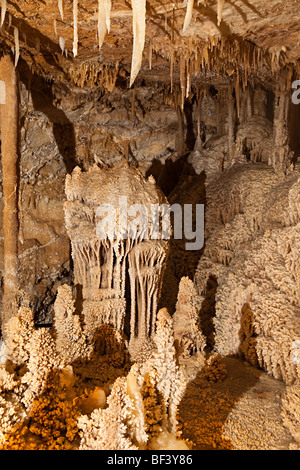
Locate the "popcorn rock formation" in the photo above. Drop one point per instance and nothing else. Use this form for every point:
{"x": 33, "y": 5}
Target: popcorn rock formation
{"x": 48, "y": 407}
{"x": 256, "y": 268}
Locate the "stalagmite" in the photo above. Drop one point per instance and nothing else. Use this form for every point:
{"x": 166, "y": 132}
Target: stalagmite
{"x": 75, "y": 20}
{"x": 188, "y": 15}
{"x": 3, "y": 12}
{"x": 61, "y": 9}
{"x": 139, "y": 29}
{"x": 9, "y": 155}
{"x": 17, "y": 46}
{"x": 220, "y": 10}
{"x": 104, "y": 7}
{"x": 186, "y": 331}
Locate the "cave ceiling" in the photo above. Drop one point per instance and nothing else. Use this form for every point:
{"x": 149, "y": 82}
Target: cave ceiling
{"x": 255, "y": 36}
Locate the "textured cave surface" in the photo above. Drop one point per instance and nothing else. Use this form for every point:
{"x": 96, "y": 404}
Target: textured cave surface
{"x": 140, "y": 343}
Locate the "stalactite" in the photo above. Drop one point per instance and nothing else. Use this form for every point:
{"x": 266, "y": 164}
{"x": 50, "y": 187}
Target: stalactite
{"x": 62, "y": 42}
{"x": 188, "y": 79}
{"x": 173, "y": 26}
{"x": 3, "y": 12}
{"x": 55, "y": 27}
{"x": 188, "y": 15}
{"x": 104, "y": 8}
{"x": 61, "y": 9}
{"x": 17, "y": 46}
{"x": 139, "y": 29}
{"x": 75, "y": 21}
{"x": 150, "y": 55}
{"x": 180, "y": 144}
{"x": 220, "y": 10}
{"x": 172, "y": 69}
{"x": 199, "y": 103}
{"x": 9, "y": 155}
{"x": 182, "y": 72}
{"x": 249, "y": 105}
{"x": 237, "y": 92}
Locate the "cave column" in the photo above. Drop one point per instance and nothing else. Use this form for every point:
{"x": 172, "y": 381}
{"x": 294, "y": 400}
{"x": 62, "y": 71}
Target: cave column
{"x": 9, "y": 155}
{"x": 281, "y": 154}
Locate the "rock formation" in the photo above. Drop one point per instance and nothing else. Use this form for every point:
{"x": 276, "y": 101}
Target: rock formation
{"x": 125, "y": 258}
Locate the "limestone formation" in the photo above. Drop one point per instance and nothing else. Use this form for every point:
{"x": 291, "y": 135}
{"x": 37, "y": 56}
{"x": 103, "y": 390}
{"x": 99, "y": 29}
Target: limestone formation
{"x": 125, "y": 259}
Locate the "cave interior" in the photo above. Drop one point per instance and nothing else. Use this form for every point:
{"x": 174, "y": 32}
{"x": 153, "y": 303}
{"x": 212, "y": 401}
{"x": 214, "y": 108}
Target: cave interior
{"x": 139, "y": 339}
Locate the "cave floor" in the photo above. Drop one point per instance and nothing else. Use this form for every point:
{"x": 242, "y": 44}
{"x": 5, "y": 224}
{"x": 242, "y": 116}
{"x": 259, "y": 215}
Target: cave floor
{"x": 240, "y": 412}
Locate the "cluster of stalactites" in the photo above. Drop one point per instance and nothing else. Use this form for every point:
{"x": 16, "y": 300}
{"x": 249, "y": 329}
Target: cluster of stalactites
{"x": 222, "y": 56}
{"x": 235, "y": 60}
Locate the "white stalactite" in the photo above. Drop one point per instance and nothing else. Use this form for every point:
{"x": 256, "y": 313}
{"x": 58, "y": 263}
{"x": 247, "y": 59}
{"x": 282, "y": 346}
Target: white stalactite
{"x": 75, "y": 20}
{"x": 17, "y": 46}
{"x": 104, "y": 7}
{"x": 55, "y": 27}
{"x": 3, "y": 12}
{"x": 62, "y": 42}
{"x": 139, "y": 29}
{"x": 188, "y": 15}
{"x": 220, "y": 10}
{"x": 61, "y": 9}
